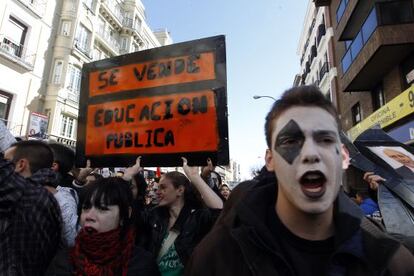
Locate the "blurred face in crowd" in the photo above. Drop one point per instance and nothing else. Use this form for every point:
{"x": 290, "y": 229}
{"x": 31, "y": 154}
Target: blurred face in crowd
{"x": 399, "y": 157}
{"x": 307, "y": 157}
{"x": 225, "y": 191}
{"x": 102, "y": 218}
{"x": 167, "y": 194}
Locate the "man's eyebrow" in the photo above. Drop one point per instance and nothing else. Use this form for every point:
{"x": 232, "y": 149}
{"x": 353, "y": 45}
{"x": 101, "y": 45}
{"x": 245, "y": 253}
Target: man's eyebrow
{"x": 324, "y": 132}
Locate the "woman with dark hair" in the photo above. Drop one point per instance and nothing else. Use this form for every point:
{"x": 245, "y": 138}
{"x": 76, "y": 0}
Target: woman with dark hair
{"x": 181, "y": 219}
{"x": 225, "y": 191}
{"x": 105, "y": 244}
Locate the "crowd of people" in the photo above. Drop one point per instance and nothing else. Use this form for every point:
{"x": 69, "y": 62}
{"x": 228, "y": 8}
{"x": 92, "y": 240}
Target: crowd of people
{"x": 292, "y": 219}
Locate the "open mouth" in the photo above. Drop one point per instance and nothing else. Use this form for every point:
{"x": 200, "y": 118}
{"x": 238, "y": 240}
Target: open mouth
{"x": 313, "y": 184}
{"x": 90, "y": 230}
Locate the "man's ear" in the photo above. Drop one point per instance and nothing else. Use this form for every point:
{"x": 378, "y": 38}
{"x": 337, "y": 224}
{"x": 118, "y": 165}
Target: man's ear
{"x": 345, "y": 157}
{"x": 269, "y": 160}
{"x": 21, "y": 165}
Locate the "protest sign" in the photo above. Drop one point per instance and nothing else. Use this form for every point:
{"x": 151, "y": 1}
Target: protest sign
{"x": 160, "y": 104}
{"x": 379, "y": 153}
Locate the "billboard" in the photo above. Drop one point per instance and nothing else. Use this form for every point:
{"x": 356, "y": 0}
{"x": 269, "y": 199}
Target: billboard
{"x": 161, "y": 104}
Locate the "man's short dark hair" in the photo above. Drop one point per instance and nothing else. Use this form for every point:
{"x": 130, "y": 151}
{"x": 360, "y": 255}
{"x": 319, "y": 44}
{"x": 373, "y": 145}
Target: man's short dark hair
{"x": 63, "y": 156}
{"x": 307, "y": 96}
{"x": 38, "y": 153}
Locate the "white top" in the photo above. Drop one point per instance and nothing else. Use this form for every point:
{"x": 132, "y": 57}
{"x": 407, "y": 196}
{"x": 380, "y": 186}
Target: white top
{"x": 68, "y": 202}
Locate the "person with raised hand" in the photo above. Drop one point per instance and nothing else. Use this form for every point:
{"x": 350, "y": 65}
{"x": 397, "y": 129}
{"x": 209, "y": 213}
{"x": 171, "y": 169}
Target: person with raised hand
{"x": 186, "y": 211}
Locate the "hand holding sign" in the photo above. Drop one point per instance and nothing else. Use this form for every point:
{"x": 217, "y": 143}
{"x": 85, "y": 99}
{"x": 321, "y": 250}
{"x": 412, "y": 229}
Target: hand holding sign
{"x": 191, "y": 172}
{"x": 84, "y": 172}
{"x": 373, "y": 180}
{"x": 131, "y": 171}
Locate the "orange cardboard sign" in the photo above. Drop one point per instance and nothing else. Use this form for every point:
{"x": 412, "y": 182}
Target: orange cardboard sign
{"x": 159, "y": 124}
{"x": 161, "y": 103}
{"x": 154, "y": 73}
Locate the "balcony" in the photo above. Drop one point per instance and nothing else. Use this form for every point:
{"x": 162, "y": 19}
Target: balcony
{"x": 133, "y": 27}
{"x": 354, "y": 13}
{"x": 16, "y": 54}
{"x": 63, "y": 140}
{"x": 83, "y": 48}
{"x": 109, "y": 41}
{"x": 73, "y": 95}
{"x": 321, "y": 3}
{"x": 36, "y": 6}
{"x": 111, "y": 10}
{"x": 383, "y": 41}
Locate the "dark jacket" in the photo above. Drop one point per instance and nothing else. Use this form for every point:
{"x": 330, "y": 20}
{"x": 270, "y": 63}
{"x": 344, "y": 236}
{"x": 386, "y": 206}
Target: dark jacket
{"x": 240, "y": 243}
{"x": 141, "y": 263}
{"x": 30, "y": 223}
{"x": 192, "y": 224}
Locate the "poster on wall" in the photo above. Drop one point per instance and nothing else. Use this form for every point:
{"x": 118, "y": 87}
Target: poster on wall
{"x": 161, "y": 104}
{"x": 37, "y": 127}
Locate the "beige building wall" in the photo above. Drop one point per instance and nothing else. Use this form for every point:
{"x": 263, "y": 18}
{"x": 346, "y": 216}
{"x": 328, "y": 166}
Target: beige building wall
{"x": 87, "y": 31}
{"x": 43, "y": 46}
{"x": 25, "y": 37}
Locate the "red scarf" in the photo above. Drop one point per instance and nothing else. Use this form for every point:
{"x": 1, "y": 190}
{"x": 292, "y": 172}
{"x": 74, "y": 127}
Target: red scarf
{"x": 97, "y": 254}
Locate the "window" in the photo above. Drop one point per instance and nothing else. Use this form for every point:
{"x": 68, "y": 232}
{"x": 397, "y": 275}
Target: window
{"x": 74, "y": 79}
{"x": 101, "y": 25}
{"x": 356, "y": 114}
{"x": 378, "y": 98}
{"x": 57, "y": 72}
{"x": 65, "y": 31}
{"x": 5, "y": 103}
{"x": 67, "y": 126}
{"x": 15, "y": 37}
{"x": 83, "y": 38}
{"x": 97, "y": 54}
{"x": 341, "y": 9}
{"x": 395, "y": 12}
{"x": 124, "y": 43}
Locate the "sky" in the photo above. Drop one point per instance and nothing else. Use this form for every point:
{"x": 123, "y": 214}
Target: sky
{"x": 262, "y": 38}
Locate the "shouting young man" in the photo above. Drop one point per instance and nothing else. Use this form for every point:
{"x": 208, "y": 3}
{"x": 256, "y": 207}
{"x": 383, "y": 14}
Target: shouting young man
{"x": 299, "y": 222}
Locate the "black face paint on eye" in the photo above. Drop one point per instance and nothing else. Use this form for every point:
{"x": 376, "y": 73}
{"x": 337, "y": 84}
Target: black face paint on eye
{"x": 337, "y": 151}
{"x": 289, "y": 141}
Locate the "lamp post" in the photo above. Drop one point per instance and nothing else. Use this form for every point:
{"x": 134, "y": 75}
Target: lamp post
{"x": 258, "y": 97}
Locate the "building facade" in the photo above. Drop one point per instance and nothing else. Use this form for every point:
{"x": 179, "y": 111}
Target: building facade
{"x": 374, "y": 50}
{"x": 44, "y": 45}
{"x": 315, "y": 50}
{"x": 26, "y": 27}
